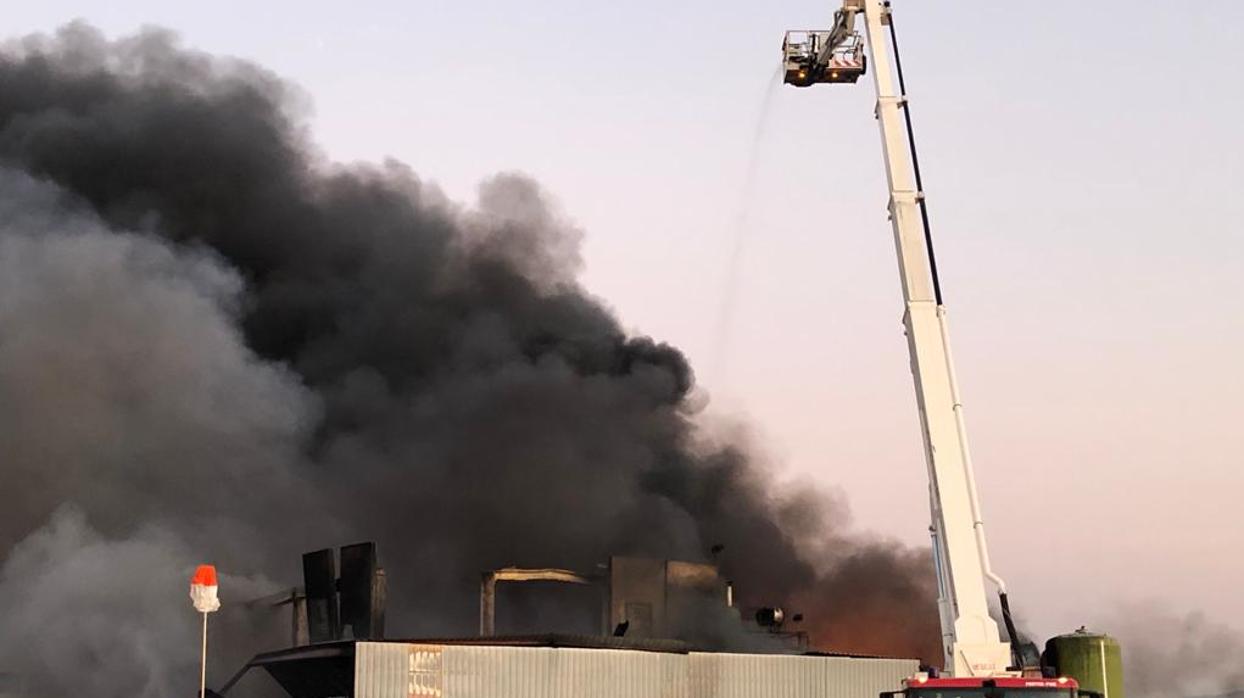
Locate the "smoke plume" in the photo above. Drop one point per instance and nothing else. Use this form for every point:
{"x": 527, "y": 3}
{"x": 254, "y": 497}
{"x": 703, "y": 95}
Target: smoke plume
{"x": 1171, "y": 654}
{"x": 215, "y": 344}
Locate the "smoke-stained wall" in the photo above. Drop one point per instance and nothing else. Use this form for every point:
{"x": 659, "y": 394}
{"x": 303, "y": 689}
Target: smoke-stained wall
{"x": 213, "y": 338}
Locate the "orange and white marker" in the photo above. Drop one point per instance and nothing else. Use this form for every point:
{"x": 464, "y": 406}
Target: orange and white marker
{"x": 203, "y": 593}
{"x": 203, "y": 589}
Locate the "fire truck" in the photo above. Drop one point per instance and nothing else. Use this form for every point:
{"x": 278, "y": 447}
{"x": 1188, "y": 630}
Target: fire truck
{"x": 978, "y": 663}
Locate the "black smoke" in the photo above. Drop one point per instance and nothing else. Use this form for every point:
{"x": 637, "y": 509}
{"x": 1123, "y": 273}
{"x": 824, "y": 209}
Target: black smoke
{"x": 216, "y": 344}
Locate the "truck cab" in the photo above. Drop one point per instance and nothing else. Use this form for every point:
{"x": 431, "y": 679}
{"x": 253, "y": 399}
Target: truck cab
{"x": 922, "y": 686}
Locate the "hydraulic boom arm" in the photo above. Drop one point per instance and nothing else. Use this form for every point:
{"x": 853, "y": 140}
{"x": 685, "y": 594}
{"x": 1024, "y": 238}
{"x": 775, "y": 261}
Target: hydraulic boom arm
{"x": 844, "y": 29}
{"x": 970, "y": 636}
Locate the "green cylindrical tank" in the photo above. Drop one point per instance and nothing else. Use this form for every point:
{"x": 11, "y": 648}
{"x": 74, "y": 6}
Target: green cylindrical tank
{"x": 1092, "y": 659}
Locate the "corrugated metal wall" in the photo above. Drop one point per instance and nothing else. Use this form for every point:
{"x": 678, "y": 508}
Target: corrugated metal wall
{"x": 547, "y": 672}
{"x": 715, "y": 675}
{"x": 390, "y": 670}
{"x": 393, "y": 670}
{"x": 382, "y": 670}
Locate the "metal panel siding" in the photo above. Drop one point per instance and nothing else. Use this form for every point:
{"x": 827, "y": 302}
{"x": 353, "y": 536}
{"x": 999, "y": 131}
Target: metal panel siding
{"x": 395, "y": 670}
{"x": 783, "y": 676}
{"x": 384, "y": 670}
{"x": 381, "y": 670}
{"x": 548, "y": 672}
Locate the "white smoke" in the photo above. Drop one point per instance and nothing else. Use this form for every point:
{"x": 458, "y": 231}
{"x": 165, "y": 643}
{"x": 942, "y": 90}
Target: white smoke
{"x": 129, "y": 406}
{"x": 85, "y": 614}
{"x": 1170, "y": 654}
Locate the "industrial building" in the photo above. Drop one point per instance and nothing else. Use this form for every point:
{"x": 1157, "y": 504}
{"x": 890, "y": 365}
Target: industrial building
{"x": 570, "y": 667}
{"x": 648, "y": 610}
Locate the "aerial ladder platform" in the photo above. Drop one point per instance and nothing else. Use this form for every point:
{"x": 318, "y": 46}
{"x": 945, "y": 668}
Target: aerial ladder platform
{"x": 978, "y": 661}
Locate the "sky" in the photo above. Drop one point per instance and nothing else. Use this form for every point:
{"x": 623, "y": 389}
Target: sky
{"x": 1082, "y": 165}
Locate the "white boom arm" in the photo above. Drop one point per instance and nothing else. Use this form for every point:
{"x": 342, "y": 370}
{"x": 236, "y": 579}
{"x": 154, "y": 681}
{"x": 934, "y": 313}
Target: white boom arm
{"x": 969, "y": 635}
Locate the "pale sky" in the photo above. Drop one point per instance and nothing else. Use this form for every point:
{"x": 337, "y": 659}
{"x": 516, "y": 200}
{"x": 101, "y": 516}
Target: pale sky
{"x": 1083, "y": 168}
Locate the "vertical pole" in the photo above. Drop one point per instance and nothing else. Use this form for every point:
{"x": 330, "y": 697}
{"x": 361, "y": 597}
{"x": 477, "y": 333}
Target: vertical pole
{"x": 293, "y": 618}
{"x": 203, "y": 662}
{"x": 488, "y": 604}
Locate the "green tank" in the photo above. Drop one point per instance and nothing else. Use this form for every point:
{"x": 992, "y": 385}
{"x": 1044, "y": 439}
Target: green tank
{"x": 1092, "y": 659}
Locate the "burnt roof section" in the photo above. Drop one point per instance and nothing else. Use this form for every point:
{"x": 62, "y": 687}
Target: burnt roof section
{"x": 597, "y": 642}
{"x": 315, "y": 671}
